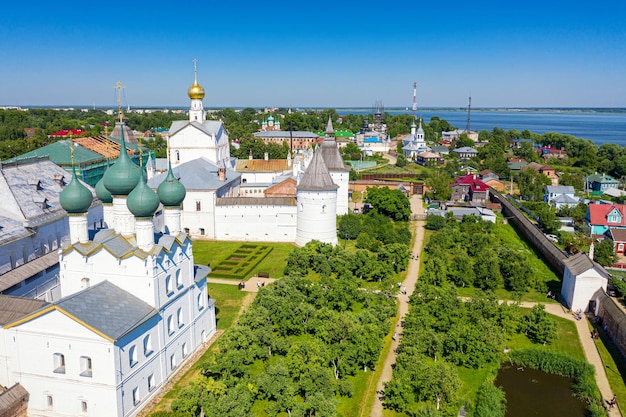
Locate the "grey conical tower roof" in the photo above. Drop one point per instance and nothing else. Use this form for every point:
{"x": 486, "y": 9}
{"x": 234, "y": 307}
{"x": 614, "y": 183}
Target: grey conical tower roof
{"x": 329, "y": 127}
{"x": 316, "y": 177}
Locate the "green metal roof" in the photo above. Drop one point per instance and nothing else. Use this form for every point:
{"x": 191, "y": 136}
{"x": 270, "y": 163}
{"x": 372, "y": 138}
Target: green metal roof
{"x": 59, "y": 153}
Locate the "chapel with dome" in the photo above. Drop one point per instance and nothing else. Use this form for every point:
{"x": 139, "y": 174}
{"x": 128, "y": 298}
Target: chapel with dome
{"x": 133, "y": 306}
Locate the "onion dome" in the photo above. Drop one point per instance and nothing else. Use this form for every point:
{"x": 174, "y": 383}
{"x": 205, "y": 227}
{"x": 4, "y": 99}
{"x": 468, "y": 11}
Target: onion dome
{"x": 142, "y": 201}
{"x": 103, "y": 194}
{"x": 75, "y": 198}
{"x": 124, "y": 175}
{"x": 196, "y": 91}
{"x": 171, "y": 192}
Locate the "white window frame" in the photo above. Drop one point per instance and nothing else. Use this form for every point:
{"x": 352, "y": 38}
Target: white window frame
{"x": 59, "y": 363}
{"x": 86, "y": 366}
{"x": 132, "y": 356}
{"x": 147, "y": 345}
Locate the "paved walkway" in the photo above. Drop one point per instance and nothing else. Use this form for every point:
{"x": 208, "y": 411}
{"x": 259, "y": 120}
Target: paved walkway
{"x": 252, "y": 284}
{"x": 409, "y": 282}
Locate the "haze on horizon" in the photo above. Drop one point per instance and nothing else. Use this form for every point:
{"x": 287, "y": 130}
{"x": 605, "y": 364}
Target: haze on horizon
{"x": 343, "y": 54}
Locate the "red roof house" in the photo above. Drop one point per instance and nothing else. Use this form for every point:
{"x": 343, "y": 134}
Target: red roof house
{"x": 601, "y": 217}
{"x": 468, "y": 188}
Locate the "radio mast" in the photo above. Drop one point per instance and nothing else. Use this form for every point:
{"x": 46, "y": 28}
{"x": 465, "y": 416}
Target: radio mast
{"x": 414, "y": 99}
{"x": 469, "y": 107}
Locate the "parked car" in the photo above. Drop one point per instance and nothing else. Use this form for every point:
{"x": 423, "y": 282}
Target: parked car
{"x": 552, "y": 238}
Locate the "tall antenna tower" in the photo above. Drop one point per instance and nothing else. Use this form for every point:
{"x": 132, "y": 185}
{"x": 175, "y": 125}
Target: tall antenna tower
{"x": 469, "y": 108}
{"x": 414, "y": 99}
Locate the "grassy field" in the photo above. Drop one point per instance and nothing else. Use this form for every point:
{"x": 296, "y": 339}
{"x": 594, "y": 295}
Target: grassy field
{"x": 210, "y": 252}
{"x": 228, "y": 300}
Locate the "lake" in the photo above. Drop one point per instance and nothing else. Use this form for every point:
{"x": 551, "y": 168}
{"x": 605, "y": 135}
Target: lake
{"x": 530, "y": 392}
{"x": 604, "y": 126}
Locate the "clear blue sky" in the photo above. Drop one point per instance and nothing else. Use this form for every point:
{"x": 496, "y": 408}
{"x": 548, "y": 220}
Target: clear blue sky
{"x": 332, "y": 54}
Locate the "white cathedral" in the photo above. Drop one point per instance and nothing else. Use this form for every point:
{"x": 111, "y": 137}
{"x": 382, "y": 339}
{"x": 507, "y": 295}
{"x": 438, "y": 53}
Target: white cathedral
{"x": 134, "y": 307}
{"x": 215, "y": 206}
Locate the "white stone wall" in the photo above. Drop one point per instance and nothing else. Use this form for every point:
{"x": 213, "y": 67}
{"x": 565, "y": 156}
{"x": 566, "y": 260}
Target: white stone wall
{"x": 256, "y": 223}
{"x": 342, "y": 179}
{"x": 195, "y": 220}
{"x": 32, "y": 346}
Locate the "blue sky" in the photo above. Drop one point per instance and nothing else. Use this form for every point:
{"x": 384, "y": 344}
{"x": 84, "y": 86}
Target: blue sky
{"x": 303, "y": 54}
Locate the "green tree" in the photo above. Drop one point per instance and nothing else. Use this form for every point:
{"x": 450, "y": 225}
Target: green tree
{"x": 490, "y": 401}
{"x": 604, "y": 252}
{"x": 349, "y": 226}
{"x": 391, "y": 203}
{"x": 532, "y": 184}
{"x": 438, "y": 184}
{"x": 538, "y": 326}
{"x": 573, "y": 179}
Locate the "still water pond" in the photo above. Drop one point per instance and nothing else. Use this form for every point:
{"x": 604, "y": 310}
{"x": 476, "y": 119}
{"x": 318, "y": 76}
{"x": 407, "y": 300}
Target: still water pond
{"x": 535, "y": 393}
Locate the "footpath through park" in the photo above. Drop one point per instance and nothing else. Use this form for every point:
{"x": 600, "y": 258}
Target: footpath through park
{"x": 417, "y": 208}
{"x": 584, "y": 333}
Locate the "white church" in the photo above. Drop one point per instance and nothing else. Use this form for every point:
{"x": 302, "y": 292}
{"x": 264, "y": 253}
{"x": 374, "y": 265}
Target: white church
{"x": 217, "y": 205}
{"x": 134, "y": 307}
{"x": 414, "y": 143}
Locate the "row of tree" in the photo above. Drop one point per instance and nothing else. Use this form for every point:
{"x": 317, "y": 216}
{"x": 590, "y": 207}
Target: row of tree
{"x": 292, "y": 352}
{"x": 443, "y": 334}
{"x": 468, "y": 253}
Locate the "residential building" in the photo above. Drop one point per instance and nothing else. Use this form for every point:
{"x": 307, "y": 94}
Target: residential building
{"x": 601, "y": 217}
{"x": 453, "y": 135}
{"x": 296, "y": 140}
{"x": 465, "y": 152}
{"x": 618, "y": 236}
{"x": 560, "y": 196}
{"x": 468, "y": 188}
{"x": 601, "y": 182}
{"x": 429, "y": 159}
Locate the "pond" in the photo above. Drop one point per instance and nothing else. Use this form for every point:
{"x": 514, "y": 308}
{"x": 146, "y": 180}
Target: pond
{"x": 530, "y": 392}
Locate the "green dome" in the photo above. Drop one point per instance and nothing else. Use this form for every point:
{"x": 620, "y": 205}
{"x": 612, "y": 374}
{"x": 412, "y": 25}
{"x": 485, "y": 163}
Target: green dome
{"x": 124, "y": 175}
{"x": 103, "y": 194}
{"x": 75, "y": 198}
{"x": 142, "y": 201}
{"x": 171, "y": 191}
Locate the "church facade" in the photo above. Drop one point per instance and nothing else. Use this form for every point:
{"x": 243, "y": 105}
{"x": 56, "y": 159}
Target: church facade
{"x": 134, "y": 306}
{"x": 217, "y": 205}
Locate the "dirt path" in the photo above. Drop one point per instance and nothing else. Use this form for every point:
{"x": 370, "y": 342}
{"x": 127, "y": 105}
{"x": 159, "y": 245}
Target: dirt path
{"x": 589, "y": 345}
{"x": 403, "y": 299}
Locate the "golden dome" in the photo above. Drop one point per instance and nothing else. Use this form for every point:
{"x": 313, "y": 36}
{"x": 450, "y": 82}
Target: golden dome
{"x": 196, "y": 92}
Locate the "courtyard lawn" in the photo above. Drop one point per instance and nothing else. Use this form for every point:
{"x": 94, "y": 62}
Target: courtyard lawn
{"x": 567, "y": 340}
{"x": 210, "y": 252}
{"x": 228, "y": 301}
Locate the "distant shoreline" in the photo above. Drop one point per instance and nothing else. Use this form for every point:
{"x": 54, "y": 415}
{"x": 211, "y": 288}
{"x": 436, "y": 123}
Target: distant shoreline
{"x": 349, "y": 109}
